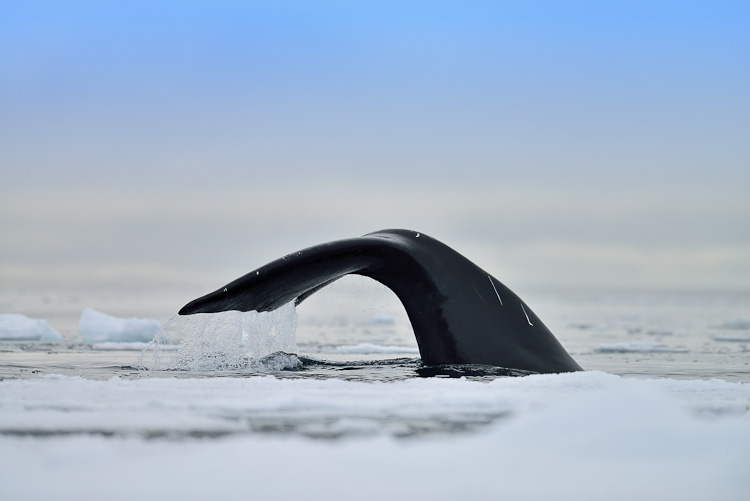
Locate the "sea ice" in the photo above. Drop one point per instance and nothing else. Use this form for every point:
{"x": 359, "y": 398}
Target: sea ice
{"x": 97, "y": 327}
{"x": 638, "y": 346}
{"x": 17, "y": 327}
{"x": 584, "y": 435}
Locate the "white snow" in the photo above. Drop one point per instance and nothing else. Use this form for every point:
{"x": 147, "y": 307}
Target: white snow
{"x": 205, "y": 405}
{"x": 587, "y": 435}
{"x": 98, "y": 327}
{"x": 365, "y": 348}
{"x": 17, "y": 327}
{"x": 638, "y": 346}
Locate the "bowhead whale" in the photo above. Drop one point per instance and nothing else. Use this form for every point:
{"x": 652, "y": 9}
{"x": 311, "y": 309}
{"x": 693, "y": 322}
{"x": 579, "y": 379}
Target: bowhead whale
{"x": 460, "y": 314}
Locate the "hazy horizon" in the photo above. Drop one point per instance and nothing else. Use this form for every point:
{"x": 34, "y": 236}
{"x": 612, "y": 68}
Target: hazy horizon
{"x": 557, "y": 144}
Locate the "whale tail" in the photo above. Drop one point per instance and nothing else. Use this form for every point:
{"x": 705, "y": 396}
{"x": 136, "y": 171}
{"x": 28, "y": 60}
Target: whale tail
{"x": 460, "y": 314}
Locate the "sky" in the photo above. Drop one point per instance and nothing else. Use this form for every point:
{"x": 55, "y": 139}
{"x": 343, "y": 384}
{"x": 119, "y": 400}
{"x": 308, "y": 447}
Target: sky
{"x": 557, "y": 144}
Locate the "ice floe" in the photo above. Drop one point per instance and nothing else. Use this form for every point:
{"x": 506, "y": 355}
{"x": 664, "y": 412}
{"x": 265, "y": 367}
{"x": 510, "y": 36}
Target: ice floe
{"x": 17, "y": 327}
{"x": 312, "y": 407}
{"x": 567, "y": 436}
{"x": 98, "y": 327}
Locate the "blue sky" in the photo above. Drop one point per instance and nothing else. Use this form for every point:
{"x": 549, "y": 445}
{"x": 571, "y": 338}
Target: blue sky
{"x": 616, "y": 131}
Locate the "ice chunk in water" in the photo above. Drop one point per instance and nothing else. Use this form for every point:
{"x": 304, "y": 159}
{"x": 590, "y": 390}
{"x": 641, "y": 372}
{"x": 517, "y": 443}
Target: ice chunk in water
{"x": 97, "y": 327}
{"x": 17, "y": 327}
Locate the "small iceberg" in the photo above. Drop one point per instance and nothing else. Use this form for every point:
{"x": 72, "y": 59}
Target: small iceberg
{"x": 638, "y": 347}
{"x": 17, "y": 327}
{"x": 98, "y": 327}
{"x": 368, "y": 348}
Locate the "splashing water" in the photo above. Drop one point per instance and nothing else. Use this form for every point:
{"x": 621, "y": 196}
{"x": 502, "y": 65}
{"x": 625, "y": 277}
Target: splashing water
{"x": 229, "y": 340}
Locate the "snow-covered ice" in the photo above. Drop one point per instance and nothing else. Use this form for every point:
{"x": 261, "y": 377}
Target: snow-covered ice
{"x": 17, "y": 327}
{"x": 327, "y": 431}
{"x": 588, "y": 435}
{"x": 98, "y": 327}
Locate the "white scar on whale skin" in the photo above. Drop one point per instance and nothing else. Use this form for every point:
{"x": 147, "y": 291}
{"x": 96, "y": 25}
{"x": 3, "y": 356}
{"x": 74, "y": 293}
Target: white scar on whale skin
{"x": 477, "y": 291}
{"x": 497, "y": 293}
{"x": 527, "y": 315}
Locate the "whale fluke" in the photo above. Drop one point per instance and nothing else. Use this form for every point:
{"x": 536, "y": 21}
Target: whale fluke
{"x": 460, "y": 314}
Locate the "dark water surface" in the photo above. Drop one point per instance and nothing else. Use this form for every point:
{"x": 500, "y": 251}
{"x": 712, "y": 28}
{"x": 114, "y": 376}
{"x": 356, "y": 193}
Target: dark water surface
{"x": 74, "y": 359}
